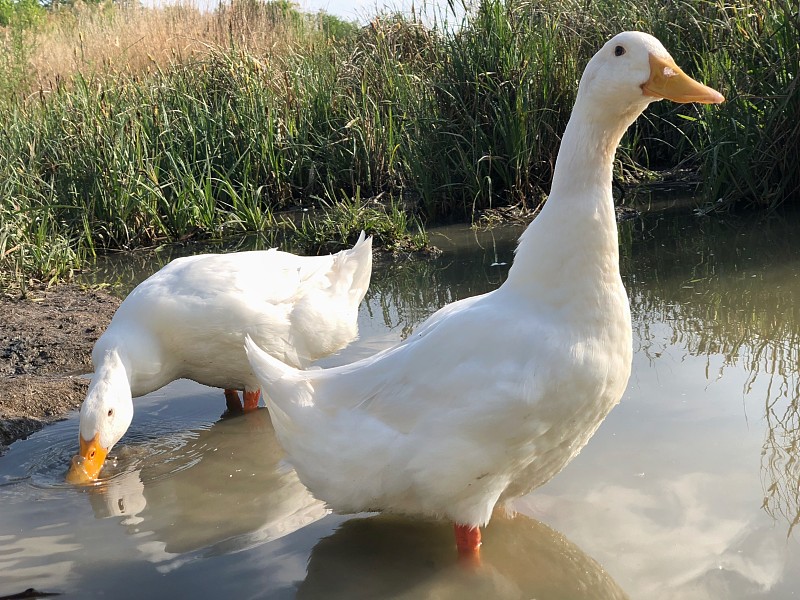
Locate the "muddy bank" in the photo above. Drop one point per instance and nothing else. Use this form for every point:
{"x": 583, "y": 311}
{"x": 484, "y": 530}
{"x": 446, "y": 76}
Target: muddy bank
{"x": 46, "y": 342}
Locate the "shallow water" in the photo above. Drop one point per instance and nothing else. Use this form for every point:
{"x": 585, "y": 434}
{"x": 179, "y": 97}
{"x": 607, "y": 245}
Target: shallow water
{"x": 688, "y": 490}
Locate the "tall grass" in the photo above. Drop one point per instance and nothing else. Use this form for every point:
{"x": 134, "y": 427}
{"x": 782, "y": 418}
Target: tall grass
{"x": 170, "y": 124}
{"x": 752, "y": 150}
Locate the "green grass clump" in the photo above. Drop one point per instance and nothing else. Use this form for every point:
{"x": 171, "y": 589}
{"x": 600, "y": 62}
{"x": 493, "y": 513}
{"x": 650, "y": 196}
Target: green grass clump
{"x": 340, "y": 223}
{"x": 20, "y": 13}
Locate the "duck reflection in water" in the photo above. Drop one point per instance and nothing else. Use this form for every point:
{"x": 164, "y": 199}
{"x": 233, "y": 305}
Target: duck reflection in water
{"x": 391, "y": 557}
{"x": 206, "y": 495}
{"x": 224, "y": 490}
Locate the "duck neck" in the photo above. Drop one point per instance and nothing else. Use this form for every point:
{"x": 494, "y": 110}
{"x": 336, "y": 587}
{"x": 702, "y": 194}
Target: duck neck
{"x": 572, "y": 244}
{"x": 111, "y": 362}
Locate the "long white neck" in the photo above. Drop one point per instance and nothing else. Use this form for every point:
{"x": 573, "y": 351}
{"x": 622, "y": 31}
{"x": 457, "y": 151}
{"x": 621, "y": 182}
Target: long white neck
{"x": 111, "y": 366}
{"x": 572, "y": 246}
{"x": 117, "y": 352}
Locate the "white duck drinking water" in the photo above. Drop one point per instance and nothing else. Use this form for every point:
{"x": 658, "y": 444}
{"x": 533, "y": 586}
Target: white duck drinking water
{"x": 190, "y": 319}
{"x": 494, "y": 394}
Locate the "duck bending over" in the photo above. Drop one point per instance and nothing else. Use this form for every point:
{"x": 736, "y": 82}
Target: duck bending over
{"x": 493, "y": 395}
{"x": 189, "y": 320}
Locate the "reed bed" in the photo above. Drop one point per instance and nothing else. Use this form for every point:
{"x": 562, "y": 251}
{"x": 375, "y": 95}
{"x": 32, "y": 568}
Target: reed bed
{"x": 170, "y": 124}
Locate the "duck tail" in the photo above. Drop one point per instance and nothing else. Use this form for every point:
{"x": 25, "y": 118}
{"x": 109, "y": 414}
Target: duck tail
{"x": 279, "y": 382}
{"x": 289, "y": 397}
{"x": 354, "y": 268}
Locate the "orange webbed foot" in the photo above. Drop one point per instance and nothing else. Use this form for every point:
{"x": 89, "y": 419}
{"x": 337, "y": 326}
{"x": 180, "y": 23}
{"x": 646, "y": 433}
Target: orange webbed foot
{"x": 251, "y": 400}
{"x": 468, "y": 543}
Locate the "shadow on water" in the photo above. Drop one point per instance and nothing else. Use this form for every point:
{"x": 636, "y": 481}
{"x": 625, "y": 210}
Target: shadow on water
{"x": 400, "y": 558}
{"x": 225, "y": 490}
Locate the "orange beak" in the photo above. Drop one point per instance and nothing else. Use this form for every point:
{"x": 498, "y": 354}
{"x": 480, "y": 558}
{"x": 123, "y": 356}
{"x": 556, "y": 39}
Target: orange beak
{"x": 86, "y": 465}
{"x": 668, "y": 81}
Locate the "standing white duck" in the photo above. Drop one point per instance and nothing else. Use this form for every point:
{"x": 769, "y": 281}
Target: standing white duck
{"x": 494, "y": 394}
{"x": 190, "y": 319}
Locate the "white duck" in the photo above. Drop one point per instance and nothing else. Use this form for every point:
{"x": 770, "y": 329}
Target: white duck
{"x": 494, "y": 394}
{"x": 190, "y": 319}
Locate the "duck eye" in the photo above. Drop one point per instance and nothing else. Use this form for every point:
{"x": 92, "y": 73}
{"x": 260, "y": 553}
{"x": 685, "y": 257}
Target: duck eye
{"x": 619, "y": 51}
{"x": 110, "y": 412}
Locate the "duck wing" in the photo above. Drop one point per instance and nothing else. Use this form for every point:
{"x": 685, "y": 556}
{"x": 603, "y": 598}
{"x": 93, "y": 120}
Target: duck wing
{"x": 438, "y": 424}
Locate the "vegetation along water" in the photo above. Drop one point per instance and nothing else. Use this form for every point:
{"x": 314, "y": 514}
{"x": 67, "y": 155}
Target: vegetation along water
{"x": 124, "y": 126}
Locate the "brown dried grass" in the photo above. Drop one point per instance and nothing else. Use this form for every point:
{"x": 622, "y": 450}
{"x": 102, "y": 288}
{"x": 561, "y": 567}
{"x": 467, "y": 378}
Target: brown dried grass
{"x": 120, "y": 39}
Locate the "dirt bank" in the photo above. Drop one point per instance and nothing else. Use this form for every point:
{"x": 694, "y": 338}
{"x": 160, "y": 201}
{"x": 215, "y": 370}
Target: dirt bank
{"x": 46, "y": 342}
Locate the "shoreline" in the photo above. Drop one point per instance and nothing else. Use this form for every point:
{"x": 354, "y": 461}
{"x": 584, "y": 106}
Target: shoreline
{"x": 46, "y": 342}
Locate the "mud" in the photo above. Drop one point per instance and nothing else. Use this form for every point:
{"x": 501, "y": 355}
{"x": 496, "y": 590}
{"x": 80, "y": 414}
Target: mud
{"x": 46, "y": 341}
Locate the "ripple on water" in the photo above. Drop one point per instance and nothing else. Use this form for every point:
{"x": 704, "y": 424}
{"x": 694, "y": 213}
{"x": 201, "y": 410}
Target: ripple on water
{"x": 155, "y": 458}
{"x": 41, "y": 460}
{"x": 161, "y": 444}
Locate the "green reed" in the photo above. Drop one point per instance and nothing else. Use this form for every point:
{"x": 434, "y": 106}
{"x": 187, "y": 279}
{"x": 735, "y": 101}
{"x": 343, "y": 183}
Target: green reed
{"x": 751, "y": 152}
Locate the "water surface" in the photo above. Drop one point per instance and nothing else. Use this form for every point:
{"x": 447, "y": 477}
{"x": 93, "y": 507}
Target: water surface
{"x": 688, "y": 490}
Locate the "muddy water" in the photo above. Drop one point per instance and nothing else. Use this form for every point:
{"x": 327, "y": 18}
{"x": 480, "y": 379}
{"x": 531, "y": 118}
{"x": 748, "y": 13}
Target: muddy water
{"x": 689, "y": 489}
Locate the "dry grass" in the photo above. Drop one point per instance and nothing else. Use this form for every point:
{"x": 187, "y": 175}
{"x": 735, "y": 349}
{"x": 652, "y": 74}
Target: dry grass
{"x": 130, "y": 39}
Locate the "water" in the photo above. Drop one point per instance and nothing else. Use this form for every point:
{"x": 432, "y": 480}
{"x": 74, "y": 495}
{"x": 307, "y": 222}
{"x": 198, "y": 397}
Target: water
{"x": 688, "y": 490}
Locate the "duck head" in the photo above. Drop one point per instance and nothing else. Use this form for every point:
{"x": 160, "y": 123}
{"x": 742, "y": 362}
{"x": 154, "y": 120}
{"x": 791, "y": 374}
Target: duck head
{"x": 106, "y": 414}
{"x": 632, "y": 70}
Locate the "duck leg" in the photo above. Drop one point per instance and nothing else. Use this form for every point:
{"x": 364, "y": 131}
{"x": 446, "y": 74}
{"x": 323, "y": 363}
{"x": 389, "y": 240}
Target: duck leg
{"x": 251, "y": 399}
{"x": 468, "y": 541}
{"x": 232, "y": 400}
